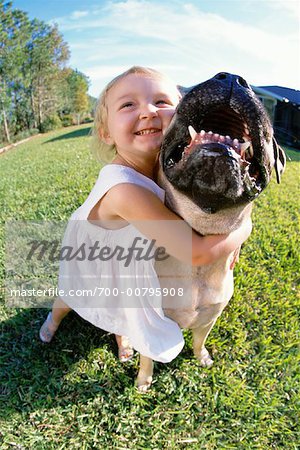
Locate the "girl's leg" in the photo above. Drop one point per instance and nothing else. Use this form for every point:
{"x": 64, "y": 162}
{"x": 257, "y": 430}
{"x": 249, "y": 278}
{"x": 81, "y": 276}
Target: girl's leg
{"x": 125, "y": 349}
{"x": 59, "y": 310}
{"x": 49, "y": 327}
{"x": 144, "y": 378}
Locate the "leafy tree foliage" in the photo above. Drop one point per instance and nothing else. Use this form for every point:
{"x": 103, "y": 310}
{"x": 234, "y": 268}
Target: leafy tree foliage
{"x": 36, "y": 86}
{"x": 76, "y": 89}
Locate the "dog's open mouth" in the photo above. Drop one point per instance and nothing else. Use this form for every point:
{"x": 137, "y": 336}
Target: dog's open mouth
{"x": 221, "y": 133}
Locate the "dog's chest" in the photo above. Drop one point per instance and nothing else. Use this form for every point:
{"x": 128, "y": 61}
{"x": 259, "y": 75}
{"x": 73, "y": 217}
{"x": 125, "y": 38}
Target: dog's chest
{"x": 188, "y": 292}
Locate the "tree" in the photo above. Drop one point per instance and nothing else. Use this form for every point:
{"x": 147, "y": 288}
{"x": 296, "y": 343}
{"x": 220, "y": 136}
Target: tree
{"x": 35, "y": 83}
{"x": 14, "y": 30}
{"x": 47, "y": 54}
{"x": 78, "y": 93}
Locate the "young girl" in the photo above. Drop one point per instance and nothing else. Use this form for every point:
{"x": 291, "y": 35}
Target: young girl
{"x": 132, "y": 114}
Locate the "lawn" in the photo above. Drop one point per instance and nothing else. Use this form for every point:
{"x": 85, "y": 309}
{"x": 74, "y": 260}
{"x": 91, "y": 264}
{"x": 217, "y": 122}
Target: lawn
{"x": 74, "y": 393}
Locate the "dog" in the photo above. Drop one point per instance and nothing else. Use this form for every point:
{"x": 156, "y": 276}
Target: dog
{"x": 216, "y": 158}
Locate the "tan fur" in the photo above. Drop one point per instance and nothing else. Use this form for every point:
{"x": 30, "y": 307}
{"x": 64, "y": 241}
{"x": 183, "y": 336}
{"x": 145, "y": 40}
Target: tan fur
{"x": 207, "y": 289}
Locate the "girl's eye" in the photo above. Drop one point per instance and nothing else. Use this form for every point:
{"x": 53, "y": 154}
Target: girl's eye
{"x": 165, "y": 102}
{"x": 127, "y": 105}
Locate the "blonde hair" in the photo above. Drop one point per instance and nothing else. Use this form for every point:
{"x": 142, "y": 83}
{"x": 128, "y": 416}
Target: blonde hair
{"x": 102, "y": 151}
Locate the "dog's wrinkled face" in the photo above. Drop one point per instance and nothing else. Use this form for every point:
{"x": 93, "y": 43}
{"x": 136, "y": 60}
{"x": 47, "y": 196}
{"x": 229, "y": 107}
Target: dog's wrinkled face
{"x": 219, "y": 149}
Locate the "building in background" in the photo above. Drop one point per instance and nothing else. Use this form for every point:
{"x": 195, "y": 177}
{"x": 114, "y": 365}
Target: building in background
{"x": 283, "y": 106}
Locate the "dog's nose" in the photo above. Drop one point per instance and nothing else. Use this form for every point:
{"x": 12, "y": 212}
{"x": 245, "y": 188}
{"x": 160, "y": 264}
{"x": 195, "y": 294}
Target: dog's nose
{"x": 231, "y": 80}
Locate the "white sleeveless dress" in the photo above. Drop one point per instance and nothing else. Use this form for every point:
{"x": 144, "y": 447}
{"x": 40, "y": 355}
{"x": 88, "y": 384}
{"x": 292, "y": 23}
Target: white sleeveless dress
{"x": 108, "y": 294}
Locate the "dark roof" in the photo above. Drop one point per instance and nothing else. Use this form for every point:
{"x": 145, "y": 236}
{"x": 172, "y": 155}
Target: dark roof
{"x": 292, "y": 95}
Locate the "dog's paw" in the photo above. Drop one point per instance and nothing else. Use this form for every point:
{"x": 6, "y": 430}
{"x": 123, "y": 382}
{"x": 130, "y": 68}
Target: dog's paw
{"x": 205, "y": 358}
{"x": 143, "y": 383}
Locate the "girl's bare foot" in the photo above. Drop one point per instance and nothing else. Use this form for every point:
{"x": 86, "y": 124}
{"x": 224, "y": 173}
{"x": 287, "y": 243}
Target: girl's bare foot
{"x": 125, "y": 350}
{"x": 48, "y": 329}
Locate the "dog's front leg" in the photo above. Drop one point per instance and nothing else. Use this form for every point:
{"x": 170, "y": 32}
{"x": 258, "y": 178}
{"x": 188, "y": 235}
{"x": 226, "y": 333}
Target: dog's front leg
{"x": 208, "y": 314}
{"x": 144, "y": 378}
{"x": 199, "y": 337}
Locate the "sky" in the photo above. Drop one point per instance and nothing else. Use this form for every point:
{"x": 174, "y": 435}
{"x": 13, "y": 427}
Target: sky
{"x": 188, "y": 40}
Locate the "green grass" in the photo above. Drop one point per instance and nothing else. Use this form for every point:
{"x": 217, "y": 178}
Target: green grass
{"x": 74, "y": 394}
{"x": 292, "y": 153}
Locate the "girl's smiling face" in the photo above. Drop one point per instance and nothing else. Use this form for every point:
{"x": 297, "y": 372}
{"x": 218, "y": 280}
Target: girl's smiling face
{"x": 139, "y": 110}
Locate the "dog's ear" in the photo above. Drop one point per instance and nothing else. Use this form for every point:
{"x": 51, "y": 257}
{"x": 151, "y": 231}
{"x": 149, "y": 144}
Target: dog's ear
{"x": 184, "y": 90}
{"x": 280, "y": 160}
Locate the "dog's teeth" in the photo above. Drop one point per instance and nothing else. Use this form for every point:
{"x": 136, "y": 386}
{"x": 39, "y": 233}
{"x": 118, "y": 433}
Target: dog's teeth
{"x": 202, "y": 133}
{"x": 192, "y": 131}
{"x": 170, "y": 163}
{"x": 244, "y": 146}
{"x": 216, "y": 137}
{"x": 236, "y": 143}
{"x": 246, "y": 150}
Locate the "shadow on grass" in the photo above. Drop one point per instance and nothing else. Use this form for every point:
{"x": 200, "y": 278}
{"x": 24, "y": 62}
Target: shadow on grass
{"x": 71, "y": 135}
{"x": 77, "y": 366}
{"x": 41, "y": 376}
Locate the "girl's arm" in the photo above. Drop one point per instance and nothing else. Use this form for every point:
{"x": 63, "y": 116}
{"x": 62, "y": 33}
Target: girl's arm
{"x": 151, "y": 217}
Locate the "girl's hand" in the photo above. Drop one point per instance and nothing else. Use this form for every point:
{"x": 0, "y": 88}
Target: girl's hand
{"x": 235, "y": 258}
{"x": 217, "y": 246}
{"x": 236, "y": 254}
